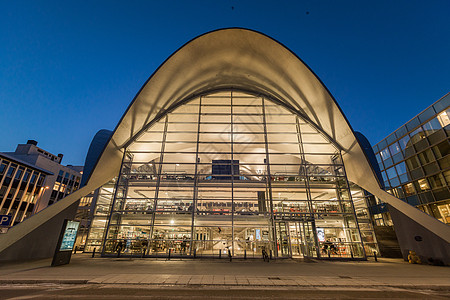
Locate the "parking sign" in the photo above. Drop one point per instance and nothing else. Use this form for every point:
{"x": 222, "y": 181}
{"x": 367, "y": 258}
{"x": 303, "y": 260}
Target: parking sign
{"x": 5, "y": 220}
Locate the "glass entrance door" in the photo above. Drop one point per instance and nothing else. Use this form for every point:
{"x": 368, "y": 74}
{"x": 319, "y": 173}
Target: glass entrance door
{"x": 309, "y": 239}
{"x": 283, "y": 239}
{"x": 296, "y": 238}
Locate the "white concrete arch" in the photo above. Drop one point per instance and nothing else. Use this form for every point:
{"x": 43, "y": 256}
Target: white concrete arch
{"x": 248, "y": 60}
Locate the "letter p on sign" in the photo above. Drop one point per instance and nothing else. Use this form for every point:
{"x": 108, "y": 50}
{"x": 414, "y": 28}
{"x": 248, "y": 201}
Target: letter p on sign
{"x": 5, "y": 220}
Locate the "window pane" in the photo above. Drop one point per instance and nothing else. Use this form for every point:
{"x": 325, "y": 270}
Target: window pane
{"x": 409, "y": 189}
{"x": 423, "y": 184}
{"x": 391, "y": 173}
{"x": 436, "y": 181}
{"x": 444, "y": 118}
{"x": 378, "y": 158}
{"x": 394, "y": 148}
{"x": 441, "y": 149}
{"x": 404, "y": 142}
{"x": 426, "y": 156}
{"x": 401, "y": 168}
{"x": 417, "y": 135}
{"x": 385, "y": 154}
{"x": 431, "y": 126}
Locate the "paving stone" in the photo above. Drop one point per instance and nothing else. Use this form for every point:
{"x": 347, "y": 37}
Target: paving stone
{"x": 207, "y": 280}
{"x": 201, "y": 272}
{"x": 289, "y": 282}
{"x": 219, "y": 279}
{"x": 135, "y": 278}
{"x": 196, "y": 279}
{"x": 102, "y": 279}
{"x": 184, "y": 279}
{"x": 172, "y": 279}
{"x": 242, "y": 280}
{"x": 112, "y": 279}
{"x": 267, "y": 282}
{"x": 253, "y": 281}
{"x": 300, "y": 281}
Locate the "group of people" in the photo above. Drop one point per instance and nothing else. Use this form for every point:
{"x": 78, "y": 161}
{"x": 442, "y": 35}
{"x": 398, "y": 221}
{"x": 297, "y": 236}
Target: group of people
{"x": 329, "y": 247}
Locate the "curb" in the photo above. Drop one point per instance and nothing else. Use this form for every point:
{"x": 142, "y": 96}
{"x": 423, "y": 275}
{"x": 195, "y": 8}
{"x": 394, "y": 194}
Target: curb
{"x": 82, "y": 281}
{"x": 39, "y": 281}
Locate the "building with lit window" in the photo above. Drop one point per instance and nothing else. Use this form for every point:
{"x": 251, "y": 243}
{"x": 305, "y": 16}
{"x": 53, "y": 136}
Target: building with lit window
{"x": 233, "y": 146}
{"x": 62, "y": 180}
{"x": 21, "y": 187}
{"x": 415, "y": 162}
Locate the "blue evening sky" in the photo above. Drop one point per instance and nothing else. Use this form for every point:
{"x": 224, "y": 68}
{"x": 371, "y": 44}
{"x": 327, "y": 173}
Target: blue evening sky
{"x": 70, "y": 68}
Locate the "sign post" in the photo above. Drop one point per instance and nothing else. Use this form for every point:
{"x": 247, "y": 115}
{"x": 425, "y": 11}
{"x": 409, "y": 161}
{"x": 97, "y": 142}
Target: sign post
{"x": 66, "y": 241}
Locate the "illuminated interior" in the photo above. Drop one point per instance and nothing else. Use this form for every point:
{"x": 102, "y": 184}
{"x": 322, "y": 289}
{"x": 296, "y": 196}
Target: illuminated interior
{"x": 232, "y": 172}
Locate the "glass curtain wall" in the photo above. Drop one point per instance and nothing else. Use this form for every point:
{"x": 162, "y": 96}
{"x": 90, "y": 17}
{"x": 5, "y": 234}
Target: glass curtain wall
{"x": 230, "y": 173}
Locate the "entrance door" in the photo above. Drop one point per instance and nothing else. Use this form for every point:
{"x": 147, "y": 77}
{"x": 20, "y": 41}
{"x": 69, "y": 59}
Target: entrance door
{"x": 296, "y": 239}
{"x": 309, "y": 239}
{"x": 283, "y": 239}
{"x": 295, "y": 233}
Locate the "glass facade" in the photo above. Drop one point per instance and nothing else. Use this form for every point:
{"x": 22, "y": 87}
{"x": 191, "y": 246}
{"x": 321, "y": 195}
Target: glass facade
{"x": 415, "y": 162}
{"x": 231, "y": 172}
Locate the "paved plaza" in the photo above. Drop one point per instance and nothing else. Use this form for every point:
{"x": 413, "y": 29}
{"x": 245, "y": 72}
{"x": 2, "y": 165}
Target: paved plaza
{"x": 87, "y": 276}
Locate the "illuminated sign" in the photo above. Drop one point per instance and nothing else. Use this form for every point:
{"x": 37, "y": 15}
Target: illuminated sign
{"x": 258, "y": 234}
{"x": 321, "y": 234}
{"x": 70, "y": 235}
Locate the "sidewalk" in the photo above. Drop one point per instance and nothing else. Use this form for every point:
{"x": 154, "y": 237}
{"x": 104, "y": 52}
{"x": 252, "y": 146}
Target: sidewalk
{"x": 249, "y": 273}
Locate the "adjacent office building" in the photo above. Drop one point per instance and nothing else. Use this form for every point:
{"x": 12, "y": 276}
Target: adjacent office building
{"x": 415, "y": 163}
{"x": 21, "y": 187}
{"x": 30, "y": 165}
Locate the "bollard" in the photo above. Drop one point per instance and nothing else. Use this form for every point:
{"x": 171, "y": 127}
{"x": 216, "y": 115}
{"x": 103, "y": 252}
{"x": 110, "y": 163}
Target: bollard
{"x": 270, "y": 254}
{"x": 93, "y": 252}
{"x": 375, "y": 255}
{"x": 245, "y": 254}
{"x": 143, "y": 252}
{"x": 118, "y": 252}
{"x": 329, "y": 253}
{"x": 229, "y": 255}
{"x": 170, "y": 250}
{"x": 220, "y": 253}
{"x": 195, "y": 253}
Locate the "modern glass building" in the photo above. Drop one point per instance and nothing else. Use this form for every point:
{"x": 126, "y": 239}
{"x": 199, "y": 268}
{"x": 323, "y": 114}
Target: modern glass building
{"x": 232, "y": 170}
{"x": 234, "y": 146}
{"x": 415, "y": 162}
